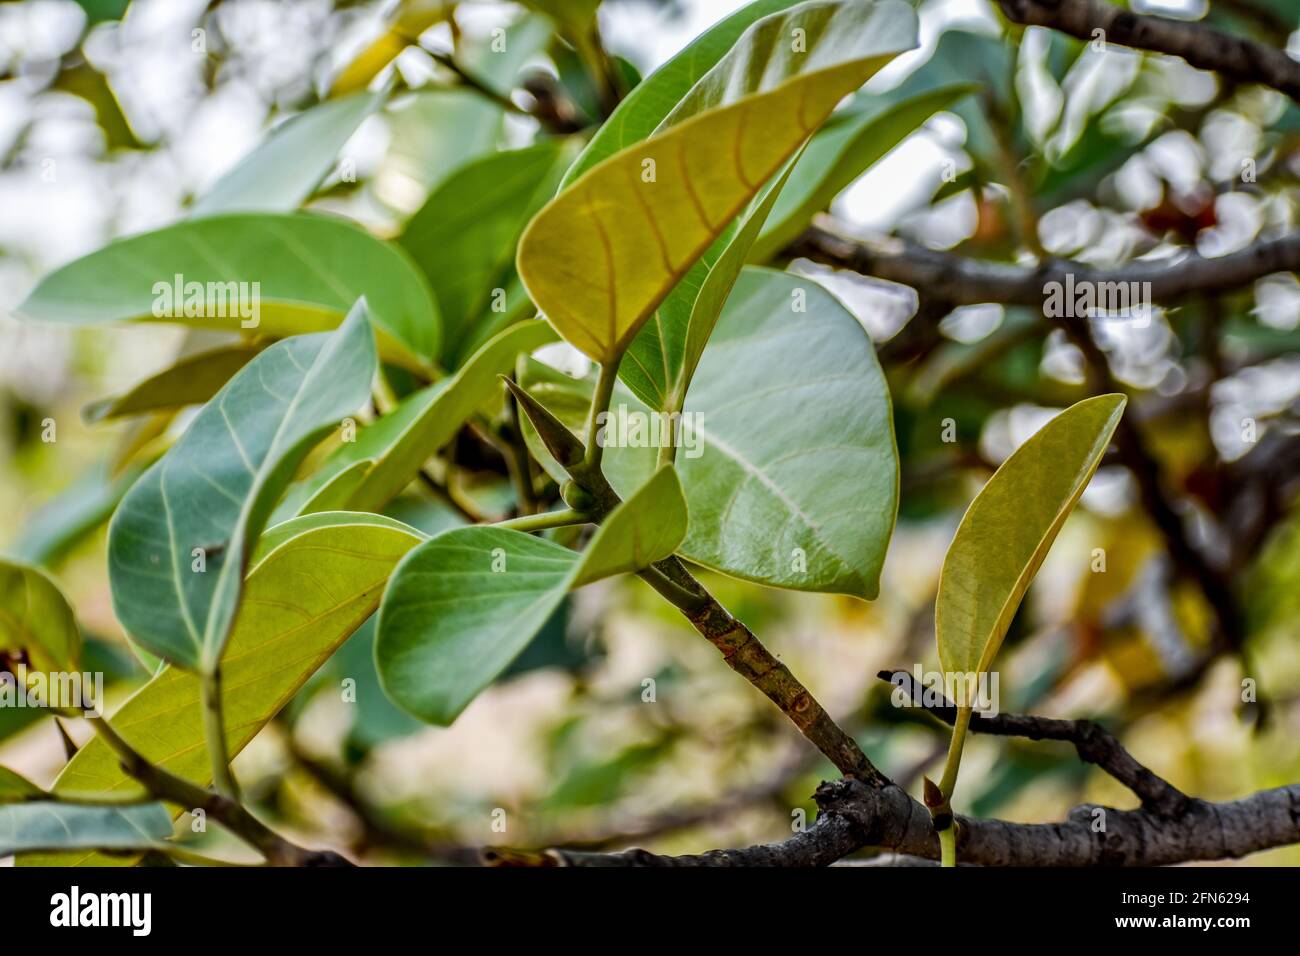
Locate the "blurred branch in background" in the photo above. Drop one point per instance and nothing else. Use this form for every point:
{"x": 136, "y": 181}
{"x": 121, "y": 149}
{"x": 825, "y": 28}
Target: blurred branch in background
{"x": 1199, "y": 45}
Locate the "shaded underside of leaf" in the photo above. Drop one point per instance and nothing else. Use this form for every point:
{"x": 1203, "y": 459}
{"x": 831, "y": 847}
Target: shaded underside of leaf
{"x": 402, "y": 441}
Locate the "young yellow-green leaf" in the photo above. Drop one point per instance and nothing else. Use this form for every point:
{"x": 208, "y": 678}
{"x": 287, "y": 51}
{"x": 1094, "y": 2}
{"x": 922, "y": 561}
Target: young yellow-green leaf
{"x": 314, "y": 582}
{"x": 464, "y": 605}
{"x": 181, "y": 539}
{"x": 17, "y": 789}
{"x": 662, "y": 359}
{"x": 781, "y": 491}
{"x": 463, "y": 238}
{"x": 404, "y": 439}
{"x": 285, "y": 169}
{"x": 310, "y": 270}
{"x": 1009, "y": 528}
{"x": 191, "y": 381}
{"x": 35, "y": 619}
{"x": 601, "y": 256}
{"x": 642, "y": 110}
{"x": 61, "y": 826}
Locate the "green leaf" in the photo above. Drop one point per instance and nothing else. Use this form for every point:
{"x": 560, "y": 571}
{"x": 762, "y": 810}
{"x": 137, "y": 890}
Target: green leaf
{"x": 601, "y": 256}
{"x": 191, "y": 381}
{"x": 315, "y": 580}
{"x": 61, "y": 826}
{"x": 840, "y": 152}
{"x": 464, "y": 236}
{"x": 35, "y": 619}
{"x": 642, "y": 110}
{"x": 790, "y": 470}
{"x": 336, "y": 492}
{"x": 214, "y": 490}
{"x": 287, "y": 167}
{"x": 464, "y": 605}
{"x": 662, "y": 359}
{"x": 1009, "y": 528}
{"x": 17, "y": 789}
{"x": 311, "y": 269}
{"x": 403, "y": 440}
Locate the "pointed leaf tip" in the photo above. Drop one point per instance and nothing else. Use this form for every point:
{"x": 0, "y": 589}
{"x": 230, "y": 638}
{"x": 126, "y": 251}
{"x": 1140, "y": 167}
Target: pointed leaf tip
{"x": 1009, "y": 528}
{"x": 563, "y": 445}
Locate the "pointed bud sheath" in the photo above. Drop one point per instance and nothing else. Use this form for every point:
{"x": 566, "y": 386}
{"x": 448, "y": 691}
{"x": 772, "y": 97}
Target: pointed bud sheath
{"x": 559, "y": 441}
{"x": 933, "y": 795}
{"x": 937, "y": 804}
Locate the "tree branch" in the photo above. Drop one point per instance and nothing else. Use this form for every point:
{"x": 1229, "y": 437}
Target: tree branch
{"x": 1202, "y": 46}
{"x": 1169, "y": 828}
{"x": 965, "y": 281}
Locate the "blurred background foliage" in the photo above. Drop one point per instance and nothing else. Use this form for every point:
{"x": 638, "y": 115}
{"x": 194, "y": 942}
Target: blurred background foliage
{"x": 619, "y": 724}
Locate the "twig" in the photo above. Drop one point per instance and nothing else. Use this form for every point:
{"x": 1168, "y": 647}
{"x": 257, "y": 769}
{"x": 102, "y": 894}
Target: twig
{"x": 177, "y": 790}
{"x": 1094, "y": 744}
{"x": 542, "y": 522}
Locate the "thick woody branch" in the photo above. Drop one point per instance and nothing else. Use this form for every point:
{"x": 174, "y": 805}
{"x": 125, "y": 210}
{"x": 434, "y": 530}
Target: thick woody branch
{"x": 854, "y": 816}
{"x": 965, "y": 281}
{"x": 1173, "y": 829}
{"x": 1202, "y": 46}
